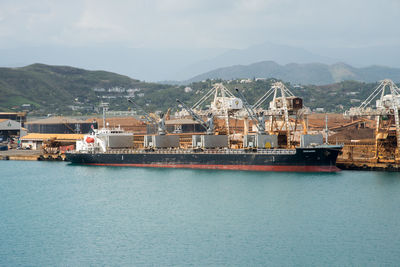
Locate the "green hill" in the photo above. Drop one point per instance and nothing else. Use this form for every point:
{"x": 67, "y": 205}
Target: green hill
{"x": 66, "y": 90}
{"x": 63, "y": 89}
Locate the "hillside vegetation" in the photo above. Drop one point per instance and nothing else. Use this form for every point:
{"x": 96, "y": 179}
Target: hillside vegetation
{"x": 59, "y": 89}
{"x": 66, "y": 90}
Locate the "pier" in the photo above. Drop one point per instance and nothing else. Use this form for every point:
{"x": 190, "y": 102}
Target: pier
{"x": 15, "y": 154}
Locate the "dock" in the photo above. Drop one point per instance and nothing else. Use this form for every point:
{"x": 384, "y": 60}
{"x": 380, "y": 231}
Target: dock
{"x": 15, "y": 154}
{"x": 368, "y": 166}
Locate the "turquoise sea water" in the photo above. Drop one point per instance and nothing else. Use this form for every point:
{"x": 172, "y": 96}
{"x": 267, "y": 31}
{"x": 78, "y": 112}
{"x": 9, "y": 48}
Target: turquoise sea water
{"x": 56, "y": 214}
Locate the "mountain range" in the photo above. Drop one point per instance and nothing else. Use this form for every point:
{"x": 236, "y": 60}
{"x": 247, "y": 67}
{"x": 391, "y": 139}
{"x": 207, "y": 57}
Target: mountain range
{"x": 310, "y": 73}
{"x": 180, "y": 64}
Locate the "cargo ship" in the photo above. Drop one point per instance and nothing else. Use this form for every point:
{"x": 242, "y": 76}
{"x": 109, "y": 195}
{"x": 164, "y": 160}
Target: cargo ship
{"x": 106, "y": 148}
{"x": 320, "y": 159}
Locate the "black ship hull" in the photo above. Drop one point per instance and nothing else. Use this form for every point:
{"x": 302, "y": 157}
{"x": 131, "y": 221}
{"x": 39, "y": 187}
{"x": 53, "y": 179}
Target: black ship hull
{"x": 321, "y": 159}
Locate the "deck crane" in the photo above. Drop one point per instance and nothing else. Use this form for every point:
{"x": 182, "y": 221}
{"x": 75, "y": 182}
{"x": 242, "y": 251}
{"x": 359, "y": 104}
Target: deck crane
{"x": 208, "y": 126}
{"x": 160, "y": 123}
{"x": 260, "y": 120}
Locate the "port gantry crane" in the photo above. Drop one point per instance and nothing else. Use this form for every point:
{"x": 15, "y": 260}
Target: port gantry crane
{"x": 386, "y": 112}
{"x": 224, "y": 103}
{"x": 223, "y": 100}
{"x": 284, "y": 103}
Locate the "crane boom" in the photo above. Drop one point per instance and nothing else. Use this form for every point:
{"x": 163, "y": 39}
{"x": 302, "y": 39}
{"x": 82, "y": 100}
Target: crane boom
{"x": 161, "y": 122}
{"x": 146, "y": 115}
{"x": 196, "y": 117}
{"x": 260, "y": 125}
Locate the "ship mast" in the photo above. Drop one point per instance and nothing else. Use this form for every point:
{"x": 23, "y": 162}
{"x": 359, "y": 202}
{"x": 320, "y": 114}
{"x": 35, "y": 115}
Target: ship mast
{"x": 105, "y": 108}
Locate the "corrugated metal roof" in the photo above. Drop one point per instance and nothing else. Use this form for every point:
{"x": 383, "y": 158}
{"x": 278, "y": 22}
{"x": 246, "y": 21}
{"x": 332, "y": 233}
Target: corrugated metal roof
{"x": 181, "y": 121}
{"x": 23, "y": 113}
{"x": 11, "y": 125}
{"x": 115, "y": 121}
{"x": 56, "y": 120}
{"x": 39, "y": 136}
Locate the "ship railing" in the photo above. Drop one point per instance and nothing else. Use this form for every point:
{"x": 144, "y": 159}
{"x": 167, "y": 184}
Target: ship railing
{"x": 206, "y": 151}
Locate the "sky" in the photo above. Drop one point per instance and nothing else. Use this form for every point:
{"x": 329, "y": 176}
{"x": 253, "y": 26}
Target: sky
{"x": 161, "y": 39}
{"x": 199, "y": 23}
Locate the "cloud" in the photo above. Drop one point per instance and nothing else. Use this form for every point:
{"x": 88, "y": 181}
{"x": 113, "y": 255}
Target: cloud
{"x": 199, "y": 23}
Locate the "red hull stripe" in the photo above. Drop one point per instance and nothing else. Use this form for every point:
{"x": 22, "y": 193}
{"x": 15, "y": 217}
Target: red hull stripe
{"x": 230, "y": 167}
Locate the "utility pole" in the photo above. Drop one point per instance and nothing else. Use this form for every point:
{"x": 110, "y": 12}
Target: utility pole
{"x": 20, "y": 130}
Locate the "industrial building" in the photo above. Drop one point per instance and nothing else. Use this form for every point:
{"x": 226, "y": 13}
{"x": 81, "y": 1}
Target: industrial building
{"x": 180, "y": 125}
{"x": 60, "y": 125}
{"x": 35, "y": 141}
{"x": 128, "y": 124}
{"x": 10, "y": 128}
{"x": 183, "y": 126}
{"x": 15, "y": 116}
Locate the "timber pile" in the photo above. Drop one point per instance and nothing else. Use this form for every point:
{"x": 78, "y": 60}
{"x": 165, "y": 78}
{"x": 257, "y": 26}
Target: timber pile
{"x": 348, "y": 134}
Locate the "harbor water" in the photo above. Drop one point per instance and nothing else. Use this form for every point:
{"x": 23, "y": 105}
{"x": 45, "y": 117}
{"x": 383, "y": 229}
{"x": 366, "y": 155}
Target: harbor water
{"x": 57, "y": 214}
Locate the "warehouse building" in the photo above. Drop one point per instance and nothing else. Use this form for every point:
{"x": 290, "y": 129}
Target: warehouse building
{"x": 35, "y": 141}
{"x": 15, "y": 116}
{"x": 60, "y": 125}
{"x": 10, "y": 128}
{"x": 128, "y": 124}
